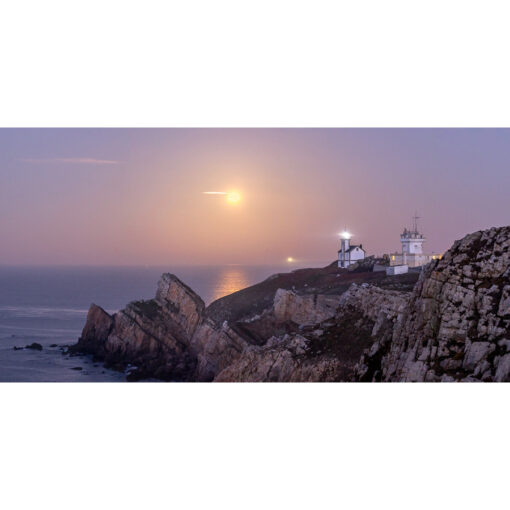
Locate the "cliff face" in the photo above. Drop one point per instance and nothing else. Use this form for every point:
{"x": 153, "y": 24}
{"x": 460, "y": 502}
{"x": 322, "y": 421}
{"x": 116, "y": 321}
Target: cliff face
{"x": 454, "y": 326}
{"x": 159, "y": 337}
{"x": 303, "y": 310}
{"x": 153, "y": 335}
{"x": 324, "y": 349}
{"x": 171, "y": 337}
{"x": 457, "y": 324}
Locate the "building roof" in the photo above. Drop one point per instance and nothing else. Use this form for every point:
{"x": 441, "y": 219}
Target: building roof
{"x": 409, "y": 234}
{"x": 352, "y": 248}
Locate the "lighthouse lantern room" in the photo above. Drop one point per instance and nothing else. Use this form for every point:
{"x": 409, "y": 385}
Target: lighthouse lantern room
{"x": 349, "y": 254}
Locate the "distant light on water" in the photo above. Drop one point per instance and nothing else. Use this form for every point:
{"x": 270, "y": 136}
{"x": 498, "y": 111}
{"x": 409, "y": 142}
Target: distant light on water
{"x": 229, "y": 281}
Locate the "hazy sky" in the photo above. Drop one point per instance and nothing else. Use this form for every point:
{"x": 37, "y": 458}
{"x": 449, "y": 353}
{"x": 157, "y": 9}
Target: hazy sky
{"x": 134, "y": 196}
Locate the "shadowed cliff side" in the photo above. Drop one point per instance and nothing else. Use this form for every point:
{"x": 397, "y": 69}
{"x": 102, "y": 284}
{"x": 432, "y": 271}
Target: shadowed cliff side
{"x": 457, "y": 324}
{"x": 152, "y": 335}
{"x": 330, "y": 280}
{"x": 325, "y": 325}
{"x": 174, "y": 337}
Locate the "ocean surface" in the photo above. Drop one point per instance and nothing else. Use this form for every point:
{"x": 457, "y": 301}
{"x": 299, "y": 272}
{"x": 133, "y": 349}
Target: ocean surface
{"x": 49, "y": 305}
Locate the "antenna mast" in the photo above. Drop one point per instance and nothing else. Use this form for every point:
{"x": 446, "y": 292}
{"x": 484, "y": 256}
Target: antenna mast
{"x": 415, "y": 222}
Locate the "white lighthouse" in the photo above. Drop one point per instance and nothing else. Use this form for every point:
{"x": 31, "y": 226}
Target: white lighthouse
{"x": 412, "y": 254}
{"x": 349, "y": 254}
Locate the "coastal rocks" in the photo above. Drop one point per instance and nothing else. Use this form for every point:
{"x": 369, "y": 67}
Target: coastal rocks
{"x": 374, "y": 303}
{"x": 95, "y": 332}
{"x": 182, "y": 306}
{"x": 453, "y": 326}
{"x": 457, "y": 324}
{"x": 326, "y": 350}
{"x": 300, "y": 337}
{"x": 215, "y": 348}
{"x": 289, "y": 313}
{"x": 34, "y": 346}
{"x": 282, "y": 360}
{"x": 304, "y": 309}
{"x": 154, "y": 335}
{"x": 167, "y": 337}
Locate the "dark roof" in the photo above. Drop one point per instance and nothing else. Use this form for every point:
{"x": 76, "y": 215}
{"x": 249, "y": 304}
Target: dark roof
{"x": 352, "y": 247}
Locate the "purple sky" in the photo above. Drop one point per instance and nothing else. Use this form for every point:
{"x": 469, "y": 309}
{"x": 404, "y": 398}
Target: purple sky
{"x": 134, "y": 196}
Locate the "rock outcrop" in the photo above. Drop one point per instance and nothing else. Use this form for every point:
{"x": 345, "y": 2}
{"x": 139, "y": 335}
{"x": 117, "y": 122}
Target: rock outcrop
{"x": 171, "y": 337}
{"x": 215, "y": 347}
{"x": 159, "y": 336}
{"x": 324, "y": 349}
{"x": 303, "y": 310}
{"x": 281, "y": 360}
{"x": 457, "y": 324}
{"x": 453, "y": 326}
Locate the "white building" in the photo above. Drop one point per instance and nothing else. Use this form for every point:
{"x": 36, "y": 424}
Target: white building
{"x": 412, "y": 249}
{"x": 394, "y": 270}
{"x": 349, "y": 254}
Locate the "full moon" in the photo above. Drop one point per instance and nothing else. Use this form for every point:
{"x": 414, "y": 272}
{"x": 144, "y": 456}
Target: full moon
{"x": 233, "y": 197}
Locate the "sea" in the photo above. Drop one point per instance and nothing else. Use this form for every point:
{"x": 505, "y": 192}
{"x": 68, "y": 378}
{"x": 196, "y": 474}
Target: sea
{"x": 48, "y": 306}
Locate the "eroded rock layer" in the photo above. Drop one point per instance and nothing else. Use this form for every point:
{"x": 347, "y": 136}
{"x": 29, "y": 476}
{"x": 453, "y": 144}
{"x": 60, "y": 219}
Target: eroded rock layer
{"x": 457, "y": 324}
{"x": 453, "y": 326}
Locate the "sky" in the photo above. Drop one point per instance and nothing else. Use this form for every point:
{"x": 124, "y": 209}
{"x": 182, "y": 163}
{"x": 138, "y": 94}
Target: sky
{"x": 135, "y": 196}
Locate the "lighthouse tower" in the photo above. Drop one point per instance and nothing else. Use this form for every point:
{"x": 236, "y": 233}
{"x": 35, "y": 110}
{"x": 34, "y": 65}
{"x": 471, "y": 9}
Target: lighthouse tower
{"x": 412, "y": 241}
{"x": 349, "y": 254}
{"x": 412, "y": 254}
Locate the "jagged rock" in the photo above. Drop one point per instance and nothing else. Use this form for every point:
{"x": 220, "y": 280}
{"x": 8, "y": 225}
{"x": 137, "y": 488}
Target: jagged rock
{"x": 458, "y": 319}
{"x": 324, "y": 351}
{"x": 154, "y": 335}
{"x": 303, "y": 310}
{"x": 454, "y": 326}
{"x": 167, "y": 337}
{"x": 285, "y": 363}
{"x": 95, "y": 332}
{"x": 215, "y": 348}
{"x": 181, "y": 304}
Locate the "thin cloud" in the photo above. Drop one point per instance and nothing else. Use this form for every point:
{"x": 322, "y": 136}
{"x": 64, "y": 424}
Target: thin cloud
{"x": 78, "y": 161}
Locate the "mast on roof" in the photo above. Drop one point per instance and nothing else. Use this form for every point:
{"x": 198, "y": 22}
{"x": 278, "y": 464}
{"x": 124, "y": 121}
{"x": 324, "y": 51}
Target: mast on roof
{"x": 415, "y": 222}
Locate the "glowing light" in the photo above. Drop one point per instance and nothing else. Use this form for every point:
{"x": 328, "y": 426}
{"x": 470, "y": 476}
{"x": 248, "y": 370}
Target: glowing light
{"x": 233, "y": 197}
{"x": 346, "y": 235}
{"x": 290, "y": 259}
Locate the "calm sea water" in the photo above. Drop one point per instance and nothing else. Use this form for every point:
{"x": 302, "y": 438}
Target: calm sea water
{"x": 49, "y": 305}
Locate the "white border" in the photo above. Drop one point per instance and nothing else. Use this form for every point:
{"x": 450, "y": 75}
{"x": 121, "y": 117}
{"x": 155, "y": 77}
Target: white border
{"x": 254, "y": 446}
{"x": 395, "y": 63}
{"x": 246, "y": 63}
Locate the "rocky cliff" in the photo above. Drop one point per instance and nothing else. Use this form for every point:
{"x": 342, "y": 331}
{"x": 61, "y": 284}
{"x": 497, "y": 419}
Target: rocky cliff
{"x": 456, "y": 326}
{"x": 153, "y": 335}
{"x": 330, "y": 325}
{"x": 167, "y": 337}
{"x": 327, "y": 349}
